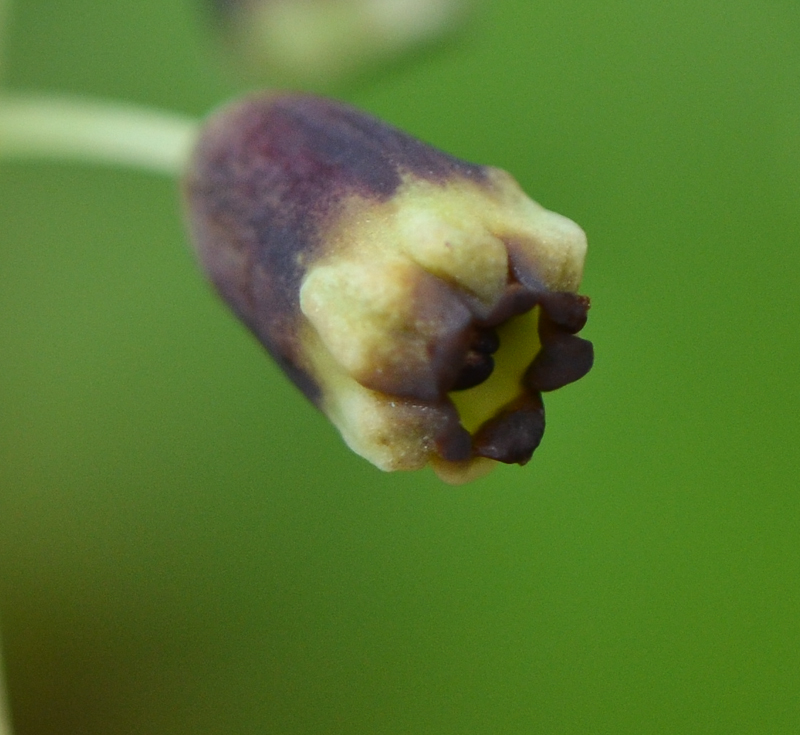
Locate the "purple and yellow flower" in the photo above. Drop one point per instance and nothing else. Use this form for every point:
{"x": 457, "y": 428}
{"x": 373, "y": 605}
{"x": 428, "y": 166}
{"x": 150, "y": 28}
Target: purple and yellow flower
{"x": 423, "y": 303}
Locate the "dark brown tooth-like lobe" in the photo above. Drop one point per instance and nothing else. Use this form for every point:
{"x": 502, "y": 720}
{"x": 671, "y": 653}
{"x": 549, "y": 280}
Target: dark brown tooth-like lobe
{"x": 563, "y": 357}
{"x": 265, "y": 182}
{"x": 561, "y": 361}
{"x": 512, "y": 436}
{"x": 565, "y": 310}
{"x": 479, "y": 364}
{"x": 477, "y": 368}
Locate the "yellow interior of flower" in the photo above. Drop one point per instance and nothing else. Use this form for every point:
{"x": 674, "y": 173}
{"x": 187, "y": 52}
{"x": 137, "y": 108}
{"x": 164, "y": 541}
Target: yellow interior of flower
{"x": 519, "y": 344}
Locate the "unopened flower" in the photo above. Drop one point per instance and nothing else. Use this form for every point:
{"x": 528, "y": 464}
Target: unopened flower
{"x": 318, "y": 41}
{"x": 423, "y": 303}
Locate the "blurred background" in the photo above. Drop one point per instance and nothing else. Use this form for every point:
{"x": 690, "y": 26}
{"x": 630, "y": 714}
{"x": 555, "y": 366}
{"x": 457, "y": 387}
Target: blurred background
{"x": 187, "y": 546}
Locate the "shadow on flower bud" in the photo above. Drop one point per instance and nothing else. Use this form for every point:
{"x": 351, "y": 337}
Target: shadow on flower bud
{"x": 317, "y": 42}
{"x": 423, "y": 303}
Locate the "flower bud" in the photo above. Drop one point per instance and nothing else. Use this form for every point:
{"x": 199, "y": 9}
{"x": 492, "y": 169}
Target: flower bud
{"x": 423, "y": 303}
{"x": 318, "y": 41}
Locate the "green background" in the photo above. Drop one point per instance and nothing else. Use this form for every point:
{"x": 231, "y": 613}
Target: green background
{"x": 187, "y": 546}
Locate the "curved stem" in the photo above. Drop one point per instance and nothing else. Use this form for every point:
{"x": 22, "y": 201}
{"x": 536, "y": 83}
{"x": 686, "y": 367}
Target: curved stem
{"x": 50, "y": 127}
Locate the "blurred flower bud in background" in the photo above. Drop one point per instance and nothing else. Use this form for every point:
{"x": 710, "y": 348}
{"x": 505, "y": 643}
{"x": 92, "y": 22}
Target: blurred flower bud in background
{"x": 423, "y": 303}
{"x": 315, "y": 43}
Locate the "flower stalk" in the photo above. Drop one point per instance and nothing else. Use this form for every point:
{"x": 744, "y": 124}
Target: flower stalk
{"x": 110, "y": 133}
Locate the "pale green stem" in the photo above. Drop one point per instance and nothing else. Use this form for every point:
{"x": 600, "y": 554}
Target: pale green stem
{"x": 117, "y": 134}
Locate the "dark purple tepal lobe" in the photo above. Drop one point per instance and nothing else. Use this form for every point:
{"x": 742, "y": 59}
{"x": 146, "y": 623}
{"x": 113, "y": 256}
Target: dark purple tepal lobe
{"x": 266, "y": 179}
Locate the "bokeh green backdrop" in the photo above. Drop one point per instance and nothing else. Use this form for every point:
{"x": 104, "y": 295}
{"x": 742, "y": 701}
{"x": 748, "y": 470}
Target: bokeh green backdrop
{"x": 187, "y": 547}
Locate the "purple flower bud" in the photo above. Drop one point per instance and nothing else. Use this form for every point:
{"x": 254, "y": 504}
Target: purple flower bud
{"x": 423, "y": 303}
